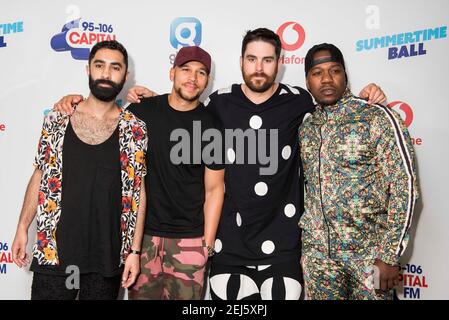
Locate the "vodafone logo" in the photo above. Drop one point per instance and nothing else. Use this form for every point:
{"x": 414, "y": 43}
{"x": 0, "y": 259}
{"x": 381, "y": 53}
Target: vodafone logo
{"x": 404, "y": 109}
{"x": 292, "y": 35}
{"x": 406, "y": 113}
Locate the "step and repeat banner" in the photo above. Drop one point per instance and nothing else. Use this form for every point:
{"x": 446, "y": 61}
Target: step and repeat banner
{"x": 400, "y": 45}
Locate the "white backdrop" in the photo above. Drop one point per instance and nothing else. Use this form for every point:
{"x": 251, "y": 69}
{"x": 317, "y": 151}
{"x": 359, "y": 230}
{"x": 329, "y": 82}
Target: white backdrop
{"x": 33, "y": 75}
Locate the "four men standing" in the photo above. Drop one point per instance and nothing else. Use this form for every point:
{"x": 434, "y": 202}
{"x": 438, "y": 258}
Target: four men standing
{"x": 353, "y": 159}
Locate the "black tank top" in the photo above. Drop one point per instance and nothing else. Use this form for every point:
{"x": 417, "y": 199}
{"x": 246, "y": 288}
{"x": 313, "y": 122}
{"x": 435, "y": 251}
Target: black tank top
{"x": 88, "y": 232}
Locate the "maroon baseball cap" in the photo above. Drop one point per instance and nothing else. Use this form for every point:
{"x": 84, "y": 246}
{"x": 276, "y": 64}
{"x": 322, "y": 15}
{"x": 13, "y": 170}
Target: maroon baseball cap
{"x": 193, "y": 53}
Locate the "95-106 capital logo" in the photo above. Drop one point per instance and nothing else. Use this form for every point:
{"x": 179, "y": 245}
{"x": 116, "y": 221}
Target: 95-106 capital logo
{"x": 5, "y": 257}
{"x": 79, "y": 36}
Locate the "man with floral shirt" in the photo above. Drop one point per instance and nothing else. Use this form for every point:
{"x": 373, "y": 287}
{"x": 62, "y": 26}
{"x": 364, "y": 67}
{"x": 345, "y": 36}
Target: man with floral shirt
{"x": 88, "y": 191}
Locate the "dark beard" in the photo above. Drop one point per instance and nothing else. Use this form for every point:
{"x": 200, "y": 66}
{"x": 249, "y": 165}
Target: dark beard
{"x": 268, "y": 82}
{"x": 105, "y": 94}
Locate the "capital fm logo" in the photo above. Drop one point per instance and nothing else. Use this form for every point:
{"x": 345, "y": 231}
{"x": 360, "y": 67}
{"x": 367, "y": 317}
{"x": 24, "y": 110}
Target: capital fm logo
{"x": 406, "y": 113}
{"x": 7, "y": 29}
{"x": 184, "y": 32}
{"x": 79, "y": 36}
{"x": 292, "y": 36}
{"x": 5, "y": 257}
{"x": 412, "y": 282}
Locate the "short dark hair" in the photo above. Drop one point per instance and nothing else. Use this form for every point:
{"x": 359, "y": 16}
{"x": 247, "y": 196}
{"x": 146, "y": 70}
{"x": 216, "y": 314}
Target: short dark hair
{"x": 262, "y": 34}
{"x": 111, "y": 45}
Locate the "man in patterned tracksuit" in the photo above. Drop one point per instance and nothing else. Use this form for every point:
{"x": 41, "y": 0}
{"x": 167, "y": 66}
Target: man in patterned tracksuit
{"x": 360, "y": 186}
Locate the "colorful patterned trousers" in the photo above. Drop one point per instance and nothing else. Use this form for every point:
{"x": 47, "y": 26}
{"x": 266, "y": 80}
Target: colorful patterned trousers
{"x": 326, "y": 279}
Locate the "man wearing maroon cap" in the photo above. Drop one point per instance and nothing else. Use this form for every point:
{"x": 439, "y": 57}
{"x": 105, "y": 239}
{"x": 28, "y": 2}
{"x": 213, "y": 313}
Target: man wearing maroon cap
{"x": 185, "y": 196}
{"x": 185, "y": 199}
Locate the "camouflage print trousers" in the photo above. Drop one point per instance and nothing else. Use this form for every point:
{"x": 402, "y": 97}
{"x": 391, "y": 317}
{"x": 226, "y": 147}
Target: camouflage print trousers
{"x": 327, "y": 279}
{"x": 170, "y": 269}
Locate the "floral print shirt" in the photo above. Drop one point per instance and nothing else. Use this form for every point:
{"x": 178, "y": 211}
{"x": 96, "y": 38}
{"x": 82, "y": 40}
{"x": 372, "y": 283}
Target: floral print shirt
{"x": 133, "y": 145}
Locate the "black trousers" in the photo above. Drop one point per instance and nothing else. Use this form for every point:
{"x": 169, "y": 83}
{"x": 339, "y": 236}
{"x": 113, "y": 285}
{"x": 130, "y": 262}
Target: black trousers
{"x": 92, "y": 286}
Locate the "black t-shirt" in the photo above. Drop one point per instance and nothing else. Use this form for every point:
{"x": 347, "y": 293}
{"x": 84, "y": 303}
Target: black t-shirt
{"x": 175, "y": 187}
{"x": 88, "y": 233}
{"x": 259, "y": 221}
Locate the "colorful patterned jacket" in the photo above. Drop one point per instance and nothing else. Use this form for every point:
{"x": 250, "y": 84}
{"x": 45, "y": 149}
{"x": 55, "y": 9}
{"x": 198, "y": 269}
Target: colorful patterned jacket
{"x": 133, "y": 144}
{"x": 361, "y": 184}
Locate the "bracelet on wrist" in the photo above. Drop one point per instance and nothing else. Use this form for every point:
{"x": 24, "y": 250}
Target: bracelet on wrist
{"x": 210, "y": 251}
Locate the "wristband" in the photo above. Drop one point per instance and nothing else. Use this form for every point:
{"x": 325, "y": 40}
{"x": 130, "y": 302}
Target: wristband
{"x": 210, "y": 251}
